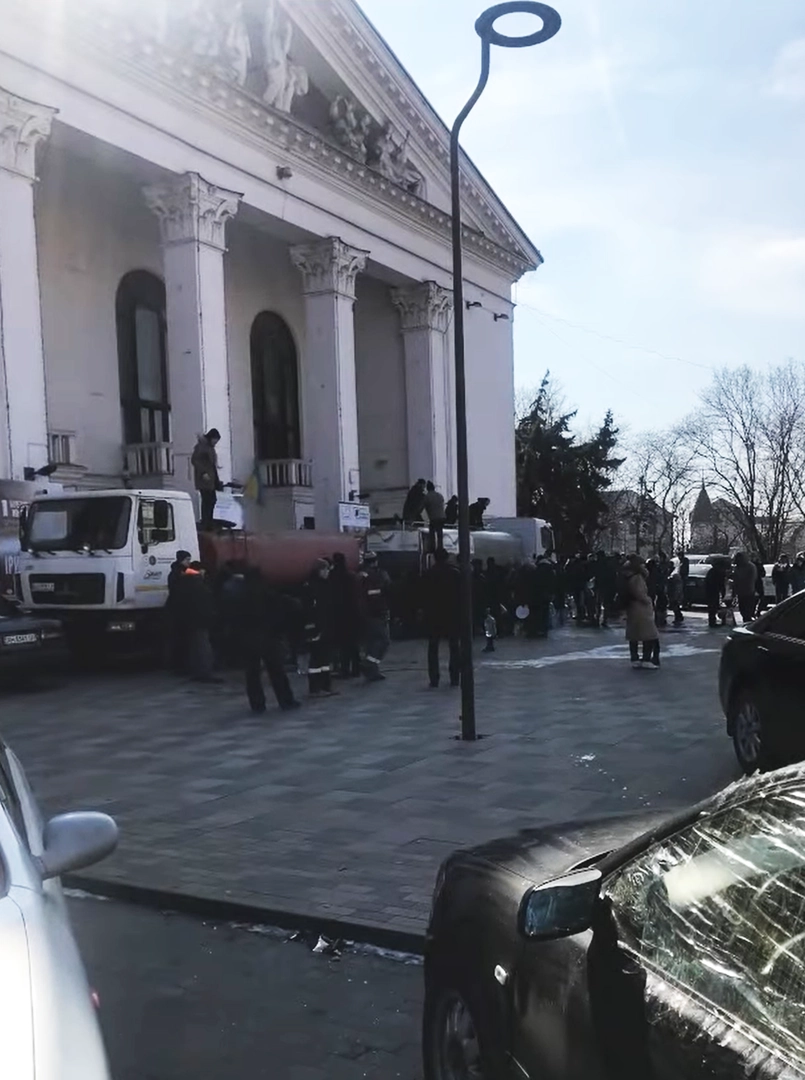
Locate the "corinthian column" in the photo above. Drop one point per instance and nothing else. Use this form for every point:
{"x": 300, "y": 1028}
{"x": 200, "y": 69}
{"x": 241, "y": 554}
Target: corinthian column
{"x": 329, "y": 397}
{"x": 424, "y": 317}
{"x": 192, "y": 216}
{"x": 23, "y": 410}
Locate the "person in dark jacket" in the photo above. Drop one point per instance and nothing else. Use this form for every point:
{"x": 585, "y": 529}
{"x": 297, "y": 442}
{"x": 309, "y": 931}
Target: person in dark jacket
{"x": 542, "y": 586}
{"x": 760, "y": 587}
{"x": 258, "y": 616}
{"x": 176, "y": 642}
{"x": 317, "y": 598}
{"x": 195, "y": 616}
{"x": 441, "y": 603}
{"x": 346, "y": 617}
{"x": 451, "y": 511}
{"x": 479, "y": 602}
{"x": 606, "y": 584}
{"x": 414, "y": 503}
{"x": 744, "y": 580}
{"x": 477, "y": 511}
{"x": 435, "y": 509}
{"x": 375, "y": 585}
{"x": 797, "y": 574}
{"x": 781, "y": 578}
{"x": 715, "y": 590}
{"x": 205, "y": 474}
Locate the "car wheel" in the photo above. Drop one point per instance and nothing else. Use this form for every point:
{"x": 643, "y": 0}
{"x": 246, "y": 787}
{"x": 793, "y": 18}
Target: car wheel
{"x": 451, "y": 1043}
{"x": 748, "y": 734}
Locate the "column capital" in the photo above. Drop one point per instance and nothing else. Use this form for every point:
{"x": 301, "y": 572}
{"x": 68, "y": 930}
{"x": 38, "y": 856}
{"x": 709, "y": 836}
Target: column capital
{"x": 23, "y": 125}
{"x": 424, "y": 306}
{"x": 329, "y": 266}
{"x": 190, "y": 208}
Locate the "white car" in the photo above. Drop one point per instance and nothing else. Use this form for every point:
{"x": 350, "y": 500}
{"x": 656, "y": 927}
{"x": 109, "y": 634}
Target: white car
{"x": 48, "y": 1026}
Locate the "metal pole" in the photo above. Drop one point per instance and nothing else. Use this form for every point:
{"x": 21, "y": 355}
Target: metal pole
{"x": 489, "y": 36}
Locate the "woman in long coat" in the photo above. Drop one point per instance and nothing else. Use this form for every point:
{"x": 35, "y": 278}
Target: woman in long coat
{"x": 640, "y": 624}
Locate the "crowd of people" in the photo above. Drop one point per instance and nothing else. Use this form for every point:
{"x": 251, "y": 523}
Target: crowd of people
{"x": 340, "y": 619}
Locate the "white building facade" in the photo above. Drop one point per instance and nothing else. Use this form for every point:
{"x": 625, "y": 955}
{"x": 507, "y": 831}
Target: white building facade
{"x": 236, "y": 215}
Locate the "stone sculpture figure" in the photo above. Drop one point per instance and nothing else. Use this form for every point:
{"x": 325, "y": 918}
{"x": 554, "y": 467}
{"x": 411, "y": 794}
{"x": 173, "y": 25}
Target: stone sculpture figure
{"x": 237, "y": 46}
{"x": 284, "y": 79}
{"x": 349, "y": 130}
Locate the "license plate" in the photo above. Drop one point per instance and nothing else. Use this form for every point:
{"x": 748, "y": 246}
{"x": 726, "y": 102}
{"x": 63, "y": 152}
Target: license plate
{"x": 19, "y": 639}
{"x": 43, "y": 586}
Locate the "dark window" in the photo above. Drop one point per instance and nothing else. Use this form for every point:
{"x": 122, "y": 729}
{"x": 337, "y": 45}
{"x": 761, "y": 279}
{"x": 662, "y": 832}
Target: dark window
{"x": 141, "y": 354}
{"x": 790, "y": 621}
{"x": 275, "y": 389}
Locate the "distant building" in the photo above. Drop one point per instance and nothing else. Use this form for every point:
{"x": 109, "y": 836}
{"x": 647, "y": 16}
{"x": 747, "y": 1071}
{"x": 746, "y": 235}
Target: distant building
{"x": 715, "y": 525}
{"x": 636, "y": 523}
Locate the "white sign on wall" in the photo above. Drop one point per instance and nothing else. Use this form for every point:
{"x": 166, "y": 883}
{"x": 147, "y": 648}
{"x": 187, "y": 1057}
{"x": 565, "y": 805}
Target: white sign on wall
{"x": 353, "y": 516}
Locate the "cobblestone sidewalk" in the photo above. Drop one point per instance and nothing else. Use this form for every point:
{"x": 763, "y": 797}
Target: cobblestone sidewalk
{"x": 345, "y": 809}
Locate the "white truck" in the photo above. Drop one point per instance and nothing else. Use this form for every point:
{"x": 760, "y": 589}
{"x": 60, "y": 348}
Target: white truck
{"x": 100, "y": 559}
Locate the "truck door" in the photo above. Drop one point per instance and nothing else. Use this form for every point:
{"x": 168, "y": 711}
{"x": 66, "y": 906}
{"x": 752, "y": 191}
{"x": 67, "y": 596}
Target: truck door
{"x": 154, "y": 551}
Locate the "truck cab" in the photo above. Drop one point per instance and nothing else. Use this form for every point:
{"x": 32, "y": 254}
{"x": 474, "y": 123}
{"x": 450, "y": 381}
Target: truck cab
{"x": 99, "y": 560}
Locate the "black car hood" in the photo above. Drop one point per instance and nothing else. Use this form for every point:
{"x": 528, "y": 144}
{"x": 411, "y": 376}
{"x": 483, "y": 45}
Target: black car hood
{"x": 537, "y": 855}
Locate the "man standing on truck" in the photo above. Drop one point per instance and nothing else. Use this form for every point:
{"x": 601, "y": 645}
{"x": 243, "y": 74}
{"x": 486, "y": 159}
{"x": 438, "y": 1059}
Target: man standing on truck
{"x": 434, "y": 508}
{"x": 205, "y": 474}
{"x": 375, "y": 592}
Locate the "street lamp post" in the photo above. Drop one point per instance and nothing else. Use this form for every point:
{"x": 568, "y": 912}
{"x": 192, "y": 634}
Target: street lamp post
{"x": 485, "y": 29}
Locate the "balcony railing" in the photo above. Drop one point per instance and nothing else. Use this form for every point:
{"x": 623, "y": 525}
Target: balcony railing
{"x": 284, "y": 473}
{"x": 148, "y": 459}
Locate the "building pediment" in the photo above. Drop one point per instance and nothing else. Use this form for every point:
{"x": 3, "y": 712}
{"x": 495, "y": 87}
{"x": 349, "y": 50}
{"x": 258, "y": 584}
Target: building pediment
{"x": 315, "y": 80}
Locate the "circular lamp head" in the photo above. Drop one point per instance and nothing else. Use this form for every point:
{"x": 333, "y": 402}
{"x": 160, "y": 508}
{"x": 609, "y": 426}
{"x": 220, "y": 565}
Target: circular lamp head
{"x": 485, "y": 28}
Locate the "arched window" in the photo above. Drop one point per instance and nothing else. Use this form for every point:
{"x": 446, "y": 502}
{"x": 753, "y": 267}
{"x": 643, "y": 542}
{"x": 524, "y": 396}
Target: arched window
{"x": 141, "y": 355}
{"x": 275, "y": 389}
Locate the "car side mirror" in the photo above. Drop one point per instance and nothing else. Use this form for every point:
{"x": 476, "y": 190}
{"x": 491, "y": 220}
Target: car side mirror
{"x": 561, "y": 907}
{"x": 73, "y": 841}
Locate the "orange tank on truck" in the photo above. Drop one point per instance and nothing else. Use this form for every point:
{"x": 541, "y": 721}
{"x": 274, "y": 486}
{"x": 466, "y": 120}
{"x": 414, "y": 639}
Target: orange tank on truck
{"x": 284, "y": 558}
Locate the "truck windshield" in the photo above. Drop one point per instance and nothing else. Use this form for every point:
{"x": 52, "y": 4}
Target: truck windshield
{"x": 79, "y": 524}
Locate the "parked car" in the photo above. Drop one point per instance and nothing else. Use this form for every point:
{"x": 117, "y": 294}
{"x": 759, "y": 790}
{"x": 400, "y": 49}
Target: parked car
{"x": 48, "y": 1026}
{"x": 761, "y": 684}
{"x": 585, "y": 953}
{"x": 27, "y": 640}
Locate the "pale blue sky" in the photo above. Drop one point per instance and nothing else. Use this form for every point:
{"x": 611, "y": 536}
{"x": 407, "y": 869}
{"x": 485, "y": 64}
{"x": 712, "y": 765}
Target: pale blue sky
{"x": 654, "y": 151}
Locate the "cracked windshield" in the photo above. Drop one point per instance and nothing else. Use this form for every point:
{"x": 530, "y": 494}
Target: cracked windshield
{"x": 402, "y": 539}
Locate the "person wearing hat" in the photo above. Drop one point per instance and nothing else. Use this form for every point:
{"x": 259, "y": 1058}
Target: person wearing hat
{"x": 175, "y": 637}
{"x": 205, "y": 474}
{"x": 374, "y": 584}
{"x": 317, "y": 600}
{"x": 641, "y": 626}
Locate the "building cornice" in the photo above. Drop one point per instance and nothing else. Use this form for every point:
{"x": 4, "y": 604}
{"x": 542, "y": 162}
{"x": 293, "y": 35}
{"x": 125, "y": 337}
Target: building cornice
{"x": 116, "y": 45}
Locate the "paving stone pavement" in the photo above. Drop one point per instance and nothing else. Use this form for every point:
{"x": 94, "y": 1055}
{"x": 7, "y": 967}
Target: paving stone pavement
{"x": 344, "y": 809}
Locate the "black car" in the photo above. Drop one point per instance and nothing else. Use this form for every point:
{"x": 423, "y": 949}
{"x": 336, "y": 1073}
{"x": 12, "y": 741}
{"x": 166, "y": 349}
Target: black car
{"x": 27, "y": 640}
{"x": 562, "y": 954}
{"x": 762, "y": 687}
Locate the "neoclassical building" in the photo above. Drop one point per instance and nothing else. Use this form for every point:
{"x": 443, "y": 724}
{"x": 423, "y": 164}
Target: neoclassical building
{"x": 219, "y": 213}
